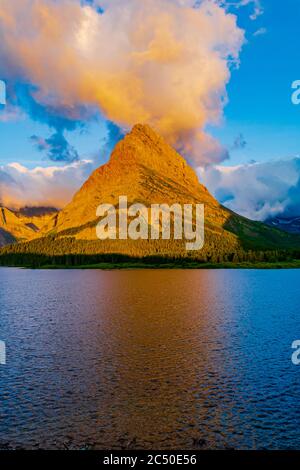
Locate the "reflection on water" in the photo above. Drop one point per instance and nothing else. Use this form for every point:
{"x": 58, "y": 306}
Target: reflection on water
{"x": 149, "y": 359}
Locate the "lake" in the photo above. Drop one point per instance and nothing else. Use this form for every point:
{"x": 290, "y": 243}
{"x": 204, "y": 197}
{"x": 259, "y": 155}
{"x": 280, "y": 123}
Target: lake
{"x": 153, "y": 359}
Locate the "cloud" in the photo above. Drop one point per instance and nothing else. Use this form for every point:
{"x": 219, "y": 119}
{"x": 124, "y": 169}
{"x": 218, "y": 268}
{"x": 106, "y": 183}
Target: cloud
{"x": 57, "y": 148}
{"x": 260, "y": 32}
{"x": 11, "y": 113}
{"x": 257, "y": 8}
{"x": 161, "y": 62}
{"x": 51, "y": 187}
{"x": 256, "y": 5}
{"x": 202, "y": 149}
{"x": 257, "y": 190}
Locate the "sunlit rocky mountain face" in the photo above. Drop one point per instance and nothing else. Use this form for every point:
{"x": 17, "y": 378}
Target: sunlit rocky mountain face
{"x": 146, "y": 169}
{"x": 25, "y": 224}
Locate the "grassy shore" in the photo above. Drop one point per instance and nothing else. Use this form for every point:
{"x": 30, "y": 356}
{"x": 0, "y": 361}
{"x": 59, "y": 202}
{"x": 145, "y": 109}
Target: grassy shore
{"x": 294, "y": 264}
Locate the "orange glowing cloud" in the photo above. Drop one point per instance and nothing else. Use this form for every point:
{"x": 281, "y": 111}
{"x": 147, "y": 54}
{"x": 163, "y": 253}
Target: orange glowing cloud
{"x": 160, "y": 62}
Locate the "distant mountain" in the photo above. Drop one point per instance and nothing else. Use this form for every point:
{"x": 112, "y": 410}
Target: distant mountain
{"x": 287, "y": 224}
{"x": 40, "y": 211}
{"x": 23, "y": 225}
{"x": 146, "y": 169}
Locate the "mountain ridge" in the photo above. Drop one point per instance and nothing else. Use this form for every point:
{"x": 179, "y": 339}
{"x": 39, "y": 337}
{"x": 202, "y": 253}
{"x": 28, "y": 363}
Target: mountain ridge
{"x": 285, "y": 223}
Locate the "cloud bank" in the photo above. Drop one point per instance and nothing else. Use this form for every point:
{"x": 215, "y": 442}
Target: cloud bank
{"x": 51, "y": 186}
{"x": 161, "y": 62}
{"x": 259, "y": 190}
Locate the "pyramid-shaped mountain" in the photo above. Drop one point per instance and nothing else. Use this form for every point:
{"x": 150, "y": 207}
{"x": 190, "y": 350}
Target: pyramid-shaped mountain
{"x": 147, "y": 170}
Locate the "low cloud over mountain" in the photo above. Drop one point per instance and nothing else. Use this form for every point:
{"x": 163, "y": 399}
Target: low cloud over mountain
{"x": 258, "y": 191}
{"x": 52, "y": 186}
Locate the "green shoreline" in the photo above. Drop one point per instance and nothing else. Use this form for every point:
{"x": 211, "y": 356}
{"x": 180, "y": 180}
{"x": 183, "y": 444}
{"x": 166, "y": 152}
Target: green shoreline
{"x": 295, "y": 264}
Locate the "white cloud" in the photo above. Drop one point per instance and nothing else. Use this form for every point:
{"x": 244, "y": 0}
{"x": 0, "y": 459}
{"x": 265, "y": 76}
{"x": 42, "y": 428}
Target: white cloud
{"x": 260, "y": 32}
{"x": 257, "y": 8}
{"x": 52, "y": 186}
{"x": 11, "y": 113}
{"x": 258, "y": 190}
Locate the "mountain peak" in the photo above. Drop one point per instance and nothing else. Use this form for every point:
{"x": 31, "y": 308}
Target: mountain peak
{"x": 143, "y": 167}
{"x": 144, "y": 130}
{"x": 148, "y": 135}
{"x": 143, "y": 147}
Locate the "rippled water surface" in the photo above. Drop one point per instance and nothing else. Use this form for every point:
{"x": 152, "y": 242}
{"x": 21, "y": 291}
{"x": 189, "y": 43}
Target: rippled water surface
{"x": 150, "y": 359}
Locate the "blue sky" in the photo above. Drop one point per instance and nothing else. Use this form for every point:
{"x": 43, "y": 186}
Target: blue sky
{"x": 16, "y": 145}
{"x": 260, "y": 90}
